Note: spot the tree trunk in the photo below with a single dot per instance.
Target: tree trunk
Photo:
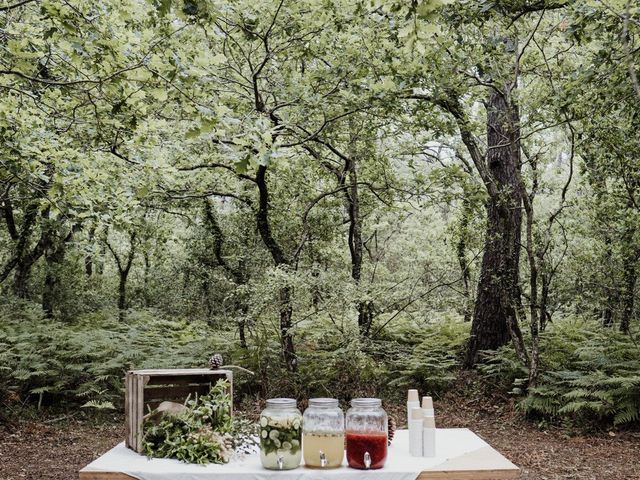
(243, 308)
(242, 333)
(280, 259)
(122, 293)
(355, 245)
(461, 253)
(495, 320)
(206, 291)
(123, 272)
(54, 258)
(286, 313)
(237, 273)
(631, 253)
(99, 262)
(24, 258)
(147, 276)
(21, 278)
(186, 282)
(628, 291)
(545, 316)
(610, 292)
(25, 262)
(88, 259)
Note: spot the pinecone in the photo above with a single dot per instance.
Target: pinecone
(216, 361)
(392, 428)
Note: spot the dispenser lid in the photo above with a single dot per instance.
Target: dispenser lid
(323, 402)
(366, 402)
(281, 403)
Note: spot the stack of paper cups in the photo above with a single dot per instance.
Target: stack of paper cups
(427, 407)
(416, 427)
(413, 401)
(429, 437)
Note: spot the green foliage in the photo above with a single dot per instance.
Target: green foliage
(340, 365)
(432, 356)
(120, 120)
(84, 363)
(203, 433)
(590, 375)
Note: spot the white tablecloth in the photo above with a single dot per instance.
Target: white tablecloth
(450, 443)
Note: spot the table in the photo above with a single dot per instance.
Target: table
(461, 455)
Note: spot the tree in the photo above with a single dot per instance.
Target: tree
(607, 101)
(124, 264)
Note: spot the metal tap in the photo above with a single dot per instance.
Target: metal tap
(367, 460)
(280, 462)
(323, 459)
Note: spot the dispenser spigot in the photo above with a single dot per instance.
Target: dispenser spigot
(323, 459)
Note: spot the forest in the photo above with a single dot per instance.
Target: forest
(344, 197)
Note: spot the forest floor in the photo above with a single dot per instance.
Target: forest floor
(51, 450)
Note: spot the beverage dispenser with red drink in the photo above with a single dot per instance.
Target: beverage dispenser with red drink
(366, 434)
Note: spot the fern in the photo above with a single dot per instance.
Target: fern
(98, 405)
(592, 379)
(85, 362)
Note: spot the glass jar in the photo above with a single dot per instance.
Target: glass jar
(323, 434)
(367, 434)
(280, 434)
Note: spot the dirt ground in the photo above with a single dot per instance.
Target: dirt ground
(56, 450)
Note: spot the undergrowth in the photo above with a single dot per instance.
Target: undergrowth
(48, 362)
(590, 376)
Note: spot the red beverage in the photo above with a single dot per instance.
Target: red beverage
(358, 443)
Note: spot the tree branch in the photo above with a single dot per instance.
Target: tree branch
(15, 5)
(305, 215)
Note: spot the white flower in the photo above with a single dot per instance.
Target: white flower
(264, 434)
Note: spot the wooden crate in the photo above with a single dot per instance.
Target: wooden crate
(146, 389)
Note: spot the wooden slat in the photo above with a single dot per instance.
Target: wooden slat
(489, 475)
(184, 379)
(127, 409)
(95, 475)
(142, 381)
(469, 475)
(132, 395)
(179, 371)
(482, 464)
(173, 392)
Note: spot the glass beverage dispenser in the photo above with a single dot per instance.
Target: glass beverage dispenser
(280, 434)
(323, 434)
(367, 434)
